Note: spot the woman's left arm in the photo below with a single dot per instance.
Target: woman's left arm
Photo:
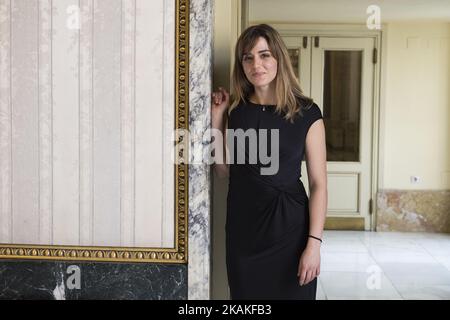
(316, 164)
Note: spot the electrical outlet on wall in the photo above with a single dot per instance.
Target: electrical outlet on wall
(415, 179)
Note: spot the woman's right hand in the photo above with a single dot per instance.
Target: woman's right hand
(219, 104)
(220, 101)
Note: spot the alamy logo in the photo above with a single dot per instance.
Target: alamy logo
(374, 19)
(258, 148)
(374, 280)
(250, 145)
(74, 280)
(73, 20)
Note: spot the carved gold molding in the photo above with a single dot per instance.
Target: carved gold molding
(178, 254)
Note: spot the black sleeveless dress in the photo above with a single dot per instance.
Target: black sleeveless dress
(267, 222)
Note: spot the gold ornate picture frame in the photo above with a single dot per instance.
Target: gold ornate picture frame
(179, 253)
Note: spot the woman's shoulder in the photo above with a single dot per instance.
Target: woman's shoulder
(311, 114)
(311, 110)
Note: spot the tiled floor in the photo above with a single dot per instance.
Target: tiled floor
(384, 265)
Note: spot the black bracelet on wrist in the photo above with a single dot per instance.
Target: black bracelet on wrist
(315, 238)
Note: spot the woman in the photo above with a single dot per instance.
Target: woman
(273, 231)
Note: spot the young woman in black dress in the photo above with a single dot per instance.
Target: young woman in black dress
(273, 231)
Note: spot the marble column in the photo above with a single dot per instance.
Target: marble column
(200, 81)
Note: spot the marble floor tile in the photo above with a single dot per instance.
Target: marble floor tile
(438, 236)
(443, 260)
(403, 246)
(410, 265)
(438, 292)
(392, 236)
(357, 285)
(346, 261)
(386, 254)
(394, 241)
(336, 244)
(320, 295)
(435, 246)
(341, 234)
(416, 274)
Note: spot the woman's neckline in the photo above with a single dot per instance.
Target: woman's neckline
(260, 105)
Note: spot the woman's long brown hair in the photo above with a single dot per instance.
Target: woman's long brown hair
(289, 96)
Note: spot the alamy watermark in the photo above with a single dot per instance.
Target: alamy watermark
(374, 280)
(74, 280)
(244, 147)
(73, 19)
(374, 20)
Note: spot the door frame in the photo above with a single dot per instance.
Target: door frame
(345, 30)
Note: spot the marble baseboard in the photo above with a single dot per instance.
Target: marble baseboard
(38, 280)
(413, 210)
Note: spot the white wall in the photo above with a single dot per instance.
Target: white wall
(415, 124)
(346, 11)
(225, 36)
(83, 113)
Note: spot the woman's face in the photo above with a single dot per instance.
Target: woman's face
(260, 67)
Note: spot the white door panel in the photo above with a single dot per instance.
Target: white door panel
(338, 74)
(338, 205)
(300, 54)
